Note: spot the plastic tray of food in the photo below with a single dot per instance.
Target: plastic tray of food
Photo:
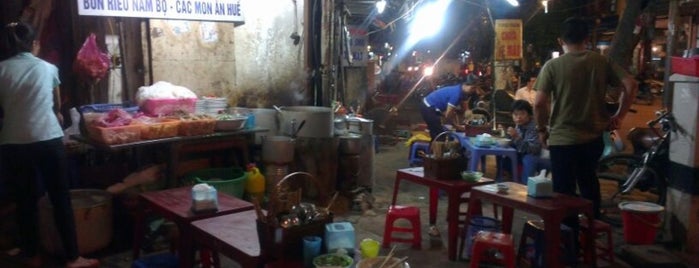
(194, 125)
(115, 135)
(159, 128)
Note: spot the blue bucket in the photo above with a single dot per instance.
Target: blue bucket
(475, 225)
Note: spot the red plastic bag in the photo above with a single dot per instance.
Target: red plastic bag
(91, 64)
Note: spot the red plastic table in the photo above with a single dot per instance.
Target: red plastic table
(233, 235)
(552, 210)
(174, 204)
(454, 189)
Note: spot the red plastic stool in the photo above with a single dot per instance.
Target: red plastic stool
(412, 214)
(604, 252)
(490, 240)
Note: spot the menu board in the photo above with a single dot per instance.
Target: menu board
(508, 39)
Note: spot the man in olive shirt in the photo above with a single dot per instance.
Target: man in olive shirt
(570, 111)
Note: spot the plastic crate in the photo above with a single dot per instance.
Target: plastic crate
(160, 107)
(685, 66)
(226, 180)
(106, 107)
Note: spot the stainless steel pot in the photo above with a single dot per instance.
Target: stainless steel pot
(351, 144)
(360, 125)
(265, 118)
(278, 149)
(319, 121)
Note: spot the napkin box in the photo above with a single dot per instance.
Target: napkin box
(539, 187)
(339, 236)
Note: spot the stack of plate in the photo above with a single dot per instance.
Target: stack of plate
(200, 106)
(214, 106)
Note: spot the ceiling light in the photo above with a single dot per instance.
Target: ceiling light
(380, 6)
(546, 6)
(514, 3)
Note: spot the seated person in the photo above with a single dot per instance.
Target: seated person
(526, 140)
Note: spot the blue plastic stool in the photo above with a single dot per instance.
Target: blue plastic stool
(416, 146)
(534, 253)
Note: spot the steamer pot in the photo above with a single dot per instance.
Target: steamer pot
(278, 149)
(319, 121)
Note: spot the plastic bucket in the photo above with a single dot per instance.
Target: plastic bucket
(641, 221)
(475, 225)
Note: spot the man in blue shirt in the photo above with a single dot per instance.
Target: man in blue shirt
(443, 103)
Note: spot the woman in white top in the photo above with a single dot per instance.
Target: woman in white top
(31, 143)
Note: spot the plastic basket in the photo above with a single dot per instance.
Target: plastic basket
(226, 180)
(106, 107)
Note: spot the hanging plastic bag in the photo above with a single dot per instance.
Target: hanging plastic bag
(91, 64)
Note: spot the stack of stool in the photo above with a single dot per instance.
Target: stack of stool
(604, 252)
(412, 214)
(486, 241)
(534, 229)
(414, 159)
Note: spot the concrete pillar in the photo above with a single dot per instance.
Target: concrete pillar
(683, 193)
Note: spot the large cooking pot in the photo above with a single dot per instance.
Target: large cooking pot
(265, 118)
(318, 121)
(277, 149)
(351, 144)
(92, 211)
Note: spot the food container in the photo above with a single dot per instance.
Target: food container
(234, 122)
(333, 261)
(115, 135)
(471, 176)
(161, 107)
(195, 127)
(159, 128)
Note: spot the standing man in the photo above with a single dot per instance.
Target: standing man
(444, 102)
(570, 111)
(527, 92)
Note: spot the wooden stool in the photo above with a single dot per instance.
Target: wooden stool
(412, 214)
(604, 252)
(490, 240)
(534, 229)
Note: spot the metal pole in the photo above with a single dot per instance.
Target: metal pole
(670, 49)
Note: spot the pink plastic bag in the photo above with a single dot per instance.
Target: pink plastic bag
(91, 64)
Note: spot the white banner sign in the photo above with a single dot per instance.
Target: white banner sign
(209, 10)
(358, 45)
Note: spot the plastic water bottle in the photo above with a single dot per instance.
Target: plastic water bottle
(255, 185)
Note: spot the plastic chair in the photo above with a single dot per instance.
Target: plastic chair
(486, 241)
(534, 254)
(412, 214)
(414, 159)
(604, 252)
